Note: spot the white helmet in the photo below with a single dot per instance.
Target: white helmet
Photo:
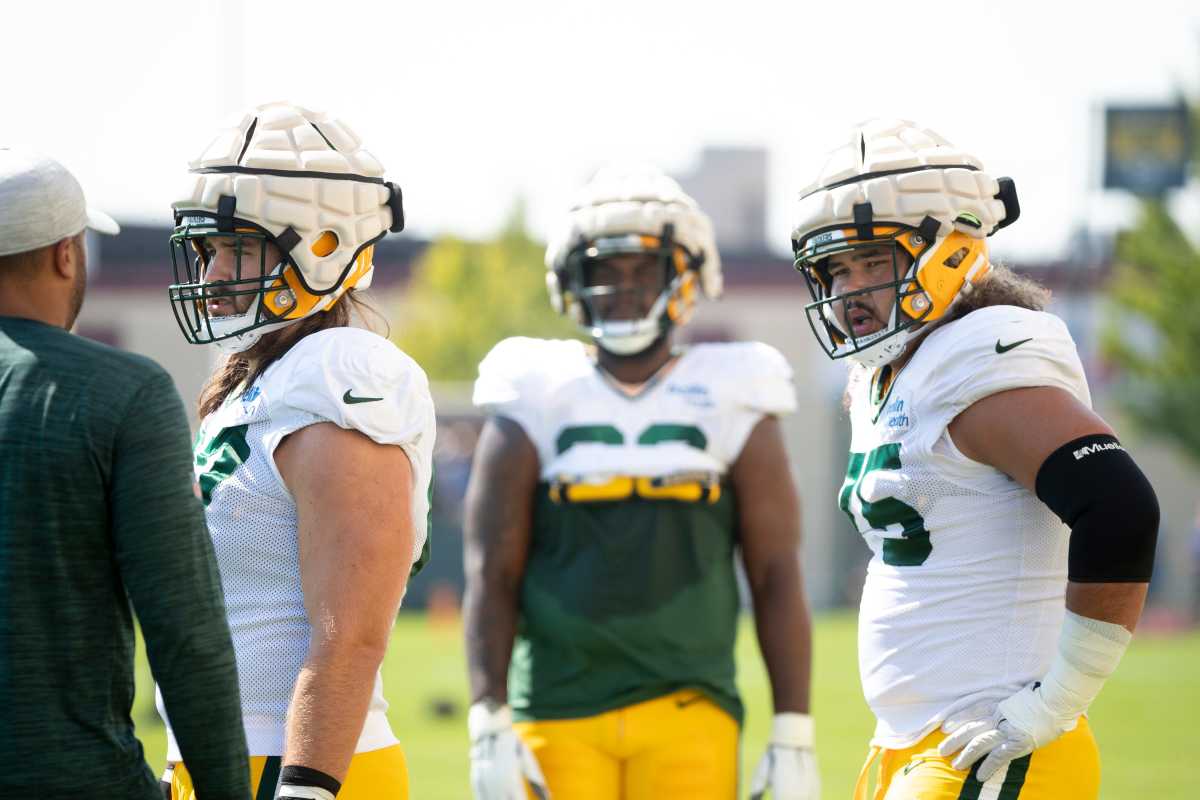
(628, 210)
(297, 179)
(901, 187)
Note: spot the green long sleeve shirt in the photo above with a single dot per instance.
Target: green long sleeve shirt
(98, 514)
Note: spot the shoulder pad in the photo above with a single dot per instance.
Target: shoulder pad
(757, 375)
(996, 349)
(521, 370)
(359, 381)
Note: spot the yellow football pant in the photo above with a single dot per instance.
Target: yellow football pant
(678, 747)
(375, 775)
(1066, 769)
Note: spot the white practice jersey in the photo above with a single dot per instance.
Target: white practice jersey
(359, 381)
(964, 593)
(693, 419)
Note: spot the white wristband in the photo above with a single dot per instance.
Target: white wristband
(790, 729)
(293, 792)
(485, 718)
(1088, 652)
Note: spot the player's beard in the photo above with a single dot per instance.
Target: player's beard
(79, 287)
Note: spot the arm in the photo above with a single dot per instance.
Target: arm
(769, 527)
(1015, 432)
(496, 531)
(167, 565)
(1053, 445)
(354, 505)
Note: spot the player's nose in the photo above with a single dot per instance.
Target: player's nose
(222, 266)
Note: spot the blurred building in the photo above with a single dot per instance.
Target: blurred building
(730, 183)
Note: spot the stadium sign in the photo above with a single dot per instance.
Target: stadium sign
(1146, 148)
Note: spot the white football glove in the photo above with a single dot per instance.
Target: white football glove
(789, 767)
(1088, 652)
(500, 762)
(1014, 728)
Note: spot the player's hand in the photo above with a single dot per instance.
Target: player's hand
(500, 762)
(789, 767)
(1014, 728)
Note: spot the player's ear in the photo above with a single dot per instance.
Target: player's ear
(68, 256)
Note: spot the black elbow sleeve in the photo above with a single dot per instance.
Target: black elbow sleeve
(1093, 486)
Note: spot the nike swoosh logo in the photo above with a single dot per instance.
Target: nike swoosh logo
(351, 399)
(910, 767)
(1004, 348)
(685, 702)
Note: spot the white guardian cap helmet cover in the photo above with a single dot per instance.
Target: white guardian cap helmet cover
(629, 210)
(294, 178)
(895, 185)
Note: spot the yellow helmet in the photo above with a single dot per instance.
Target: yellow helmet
(903, 188)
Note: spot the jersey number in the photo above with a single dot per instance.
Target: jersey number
(220, 456)
(887, 514)
(607, 434)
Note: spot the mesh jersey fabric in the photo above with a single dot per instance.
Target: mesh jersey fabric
(964, 593)
(252, 516)
(613, 589)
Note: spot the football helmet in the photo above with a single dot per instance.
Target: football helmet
(298, 180)
(632, 210)
(896, 186)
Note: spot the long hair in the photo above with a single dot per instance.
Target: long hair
(243, 369)
(1002, 287)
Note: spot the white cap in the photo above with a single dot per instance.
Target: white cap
(41, 203)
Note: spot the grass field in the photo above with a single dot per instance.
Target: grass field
(1145, 720)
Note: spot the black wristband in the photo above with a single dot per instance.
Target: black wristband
(296, 775)
(1094, 486)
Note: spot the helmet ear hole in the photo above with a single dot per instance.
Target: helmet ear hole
(325, 244)
(956, 258)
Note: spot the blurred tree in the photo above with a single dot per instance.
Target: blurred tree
(1154, 332)
(465, 296)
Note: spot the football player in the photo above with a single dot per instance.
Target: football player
(314, 452)
(1011, 534)
(613, 485)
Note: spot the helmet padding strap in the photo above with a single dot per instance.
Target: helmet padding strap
(864, 217)
(287, 240)
(226, 206)
(929, 228)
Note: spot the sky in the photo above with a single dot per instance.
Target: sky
(473, 105)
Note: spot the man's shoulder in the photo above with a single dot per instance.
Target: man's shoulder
(81, 357)
(739, 376)
(994, 349)
(526, 371)
(995, 328)
(525, 354)
(347, 350)
(740, 357)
